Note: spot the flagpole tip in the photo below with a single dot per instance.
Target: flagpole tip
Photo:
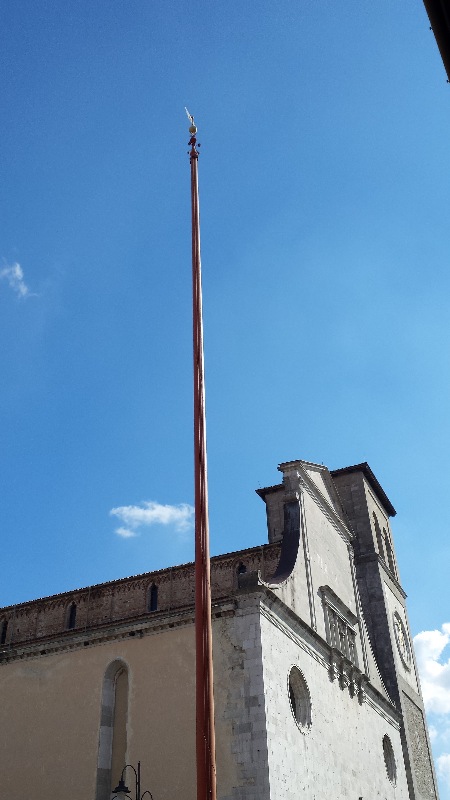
(192, 127)
(193, 152)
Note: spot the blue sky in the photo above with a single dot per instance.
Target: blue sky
(325, 246)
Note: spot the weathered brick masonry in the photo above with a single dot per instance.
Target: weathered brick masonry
(124, 600)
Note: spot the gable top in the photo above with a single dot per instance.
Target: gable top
(363, 467)
(371, 480)
(315, 478)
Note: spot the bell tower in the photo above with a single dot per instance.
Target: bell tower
(383, 601)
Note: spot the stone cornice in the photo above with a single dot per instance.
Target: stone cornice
(112, 632)
(123, 601)
(61, 599)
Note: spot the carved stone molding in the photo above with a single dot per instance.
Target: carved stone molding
(347, 675)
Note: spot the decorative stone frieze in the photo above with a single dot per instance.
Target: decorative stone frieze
(126, 599)
(347, 675)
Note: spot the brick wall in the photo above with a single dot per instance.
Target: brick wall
(127, 598)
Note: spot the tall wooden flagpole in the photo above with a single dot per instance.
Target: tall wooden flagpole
(205, 737)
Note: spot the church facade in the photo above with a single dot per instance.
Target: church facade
(316, 688)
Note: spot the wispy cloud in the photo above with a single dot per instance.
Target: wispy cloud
(151, 513)
(443, 767)
(434, 733)
(125, 533)
(13, 275)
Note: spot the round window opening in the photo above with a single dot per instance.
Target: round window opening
(389, 759)
(401, 637)
(299, 699)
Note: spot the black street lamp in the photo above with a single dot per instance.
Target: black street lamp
(123, 792)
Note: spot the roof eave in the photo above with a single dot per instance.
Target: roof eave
(439, 17)
(372, 481)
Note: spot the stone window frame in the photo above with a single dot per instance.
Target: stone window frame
(402, 640)
(4, 625)
(389, 552)
(152, 597)
(379, 537)
(389, 759)
(384, 544)
(240, 567)
(340, 625)
(71, 616)
(299, 698)
(106, 729)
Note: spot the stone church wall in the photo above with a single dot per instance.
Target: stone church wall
(340, 754)
(301, 709)
(50, 718)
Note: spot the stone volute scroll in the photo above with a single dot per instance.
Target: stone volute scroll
(290, 542)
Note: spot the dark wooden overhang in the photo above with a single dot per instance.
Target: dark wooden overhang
(439, 15)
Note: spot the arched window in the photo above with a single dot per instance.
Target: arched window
(239, 569)
(71, 617)
(152, 598)
(379, 537)
(112, 744)
(3, 631)
(389, 553)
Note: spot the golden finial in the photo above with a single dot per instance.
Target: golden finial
(192, 127)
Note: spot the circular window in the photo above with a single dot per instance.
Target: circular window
(389, 759)
(401, 638)
(299, 699)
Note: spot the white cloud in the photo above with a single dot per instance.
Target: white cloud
(444, 731)
(443, 767)
(152, 513)
(125, 533)
(433, 662)
(434, 671)
(13, 274)
(434, 733)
